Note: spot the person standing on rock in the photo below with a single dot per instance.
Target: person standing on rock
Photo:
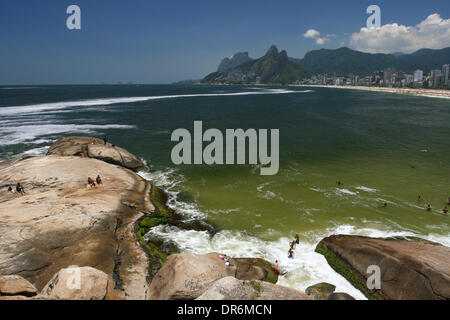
(105, 139)
(99, 180)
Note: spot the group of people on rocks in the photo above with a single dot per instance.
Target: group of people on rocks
(91, 181)
(19, 189)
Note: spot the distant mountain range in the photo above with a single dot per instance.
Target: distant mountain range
(273, 67)
(277, 67)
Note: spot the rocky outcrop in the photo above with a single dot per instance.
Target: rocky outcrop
(95, 148)
(13, 285)
(60, 221)
(77, 283)
(186, 276)
(230, 288)
(320, 291)
(409, 269)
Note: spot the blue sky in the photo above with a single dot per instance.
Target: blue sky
(147, 41)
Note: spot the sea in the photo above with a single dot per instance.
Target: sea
(382, 147)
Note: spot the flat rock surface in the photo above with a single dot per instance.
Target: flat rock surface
(60, 221)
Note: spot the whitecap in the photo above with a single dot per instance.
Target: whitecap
(27, 109)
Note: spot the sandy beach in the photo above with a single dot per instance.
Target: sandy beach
(432, 93)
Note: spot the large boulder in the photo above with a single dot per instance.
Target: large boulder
(230, 288)
(409, 268)
(320, 291)
(77, 283)
(186, 276)
(95, 148)
(14, 285)
(60, 221)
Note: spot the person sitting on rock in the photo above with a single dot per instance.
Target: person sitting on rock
(91, 182)
(98, 179)
(19, 188)
(10, 189)
(275, 267)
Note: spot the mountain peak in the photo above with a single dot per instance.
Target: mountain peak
(234, 61)
(272, 52)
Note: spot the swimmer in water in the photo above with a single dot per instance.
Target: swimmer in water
(383, 206)
(419, 198)
(445, 210)
(429, 207)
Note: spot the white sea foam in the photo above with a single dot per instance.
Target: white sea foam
(366, 189)
(27, 109)
(35, 152)
(346, 191)
(169, 180)
(28, 133)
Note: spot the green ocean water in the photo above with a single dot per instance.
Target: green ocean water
(369, 141)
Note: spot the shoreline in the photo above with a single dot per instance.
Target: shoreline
(420, 92)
